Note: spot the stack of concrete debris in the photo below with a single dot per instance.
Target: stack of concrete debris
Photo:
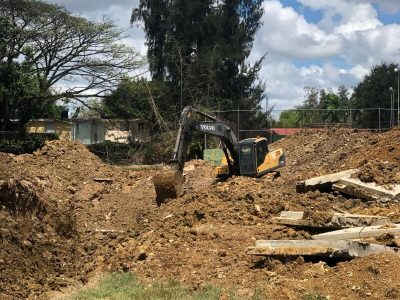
(353, 239)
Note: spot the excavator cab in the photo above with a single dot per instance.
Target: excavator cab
(255, 159)
(248, 157)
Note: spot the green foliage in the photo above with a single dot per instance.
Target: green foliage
(131, 100)
(159, 150)
(18, 143)
(118, 286)
(42, 45)
(319, 108)
(337, 106)
(113, 152)
(373, 92)
(196, 147)
(314, 296)
(126, 286)
(200, 49)
(289, 118)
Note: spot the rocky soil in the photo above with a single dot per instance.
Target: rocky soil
(66, 216)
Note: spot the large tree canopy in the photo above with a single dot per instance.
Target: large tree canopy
(56, 49)
(200, 48)
(374, 92)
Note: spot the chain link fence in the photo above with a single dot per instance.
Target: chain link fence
(251, 123)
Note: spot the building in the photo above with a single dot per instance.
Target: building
(86, 131)
(89, 131)
(64, 129)
(127, 131)
(92, 131)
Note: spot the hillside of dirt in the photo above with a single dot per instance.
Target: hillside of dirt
(65, 216)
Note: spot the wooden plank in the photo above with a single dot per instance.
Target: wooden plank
(344, 220)
(325, 248)
(366, 190)
(322, 183)
(359, 232)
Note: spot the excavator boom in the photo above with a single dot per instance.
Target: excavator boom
(169, 184)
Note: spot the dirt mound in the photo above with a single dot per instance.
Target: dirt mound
(381, 172)
(53, 204)
(66, 215)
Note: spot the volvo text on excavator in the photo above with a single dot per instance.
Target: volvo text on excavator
(250, 157)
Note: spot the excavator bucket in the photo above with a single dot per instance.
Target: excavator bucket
(168, 185)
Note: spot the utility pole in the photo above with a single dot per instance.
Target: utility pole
(398, 95)
(391, 107)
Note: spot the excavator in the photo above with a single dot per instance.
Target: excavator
(250, 157)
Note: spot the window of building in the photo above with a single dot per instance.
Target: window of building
(50, 127)
(140, 127)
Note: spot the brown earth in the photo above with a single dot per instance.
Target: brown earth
(66, 216)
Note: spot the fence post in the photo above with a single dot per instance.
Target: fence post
(379, 119)
(350, 117)
(205, 137)
(238, 123)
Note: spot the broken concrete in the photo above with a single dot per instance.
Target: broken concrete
(326, 248)
(340, 220)
(322, 183)
(359, 232)
(293, 218)
(292, 214)
(369, 191)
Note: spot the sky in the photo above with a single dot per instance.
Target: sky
(310, 43)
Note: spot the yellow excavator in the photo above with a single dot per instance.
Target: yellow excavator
(250, 157)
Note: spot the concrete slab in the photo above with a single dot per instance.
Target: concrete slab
(292, 214)
(369, 191)
(359, 232)
(340, 220)
(324, 248)
(322, 183)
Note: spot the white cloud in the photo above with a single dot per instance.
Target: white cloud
(339, 50)
(81, 6)
(386, 6)
(287, 33)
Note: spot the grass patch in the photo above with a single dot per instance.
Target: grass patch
(123, 286)
(313, 296)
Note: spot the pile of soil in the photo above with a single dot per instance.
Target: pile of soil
(66, 216)
(381, 172)
(59, 206)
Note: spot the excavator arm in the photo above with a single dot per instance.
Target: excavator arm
(169, 184)
(213, 127)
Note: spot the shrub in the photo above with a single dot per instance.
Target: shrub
(19, 143)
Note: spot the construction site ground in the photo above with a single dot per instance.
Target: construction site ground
(67, 217)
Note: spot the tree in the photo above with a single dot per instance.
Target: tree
(309, 115)
(289, 118)
(131, 100)
(336, 105)
(200, 49)
(57, 48)
(373, 92)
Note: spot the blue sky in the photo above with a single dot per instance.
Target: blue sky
(310, 43)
